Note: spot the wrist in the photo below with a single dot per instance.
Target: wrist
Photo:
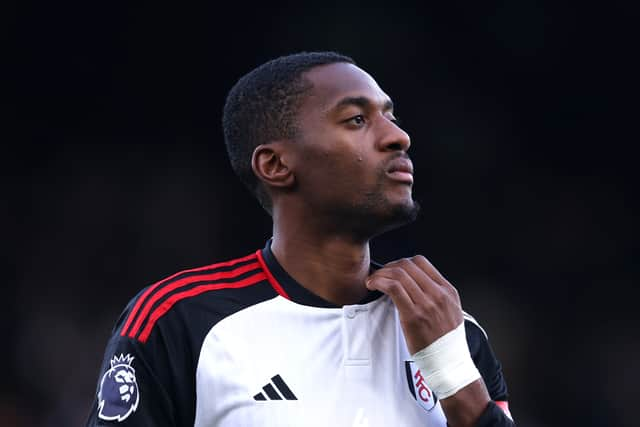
(446, 363)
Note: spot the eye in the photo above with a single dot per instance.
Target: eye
(395, 120)
(358, 120)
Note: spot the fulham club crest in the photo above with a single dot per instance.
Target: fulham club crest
(119, 395)
(418, 388)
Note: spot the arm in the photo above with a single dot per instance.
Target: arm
(468, 407)
(129, 390)
(143, 383)
(465, 406)
(432, 321)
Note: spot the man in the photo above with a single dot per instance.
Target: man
(307, 331)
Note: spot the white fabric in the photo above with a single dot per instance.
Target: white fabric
(358, 352)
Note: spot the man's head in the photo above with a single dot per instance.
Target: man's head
(317, 134)
(263, 106)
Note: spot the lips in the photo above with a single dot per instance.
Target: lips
(401, 169)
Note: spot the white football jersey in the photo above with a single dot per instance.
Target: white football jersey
(241, 343)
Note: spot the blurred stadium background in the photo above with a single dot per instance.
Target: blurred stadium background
(523, 117)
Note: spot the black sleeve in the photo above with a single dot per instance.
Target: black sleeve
(146, 384)
(491, 371)
(493, 416)
(485, 360)
(130, 392)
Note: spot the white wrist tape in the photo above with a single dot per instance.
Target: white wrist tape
(446, 363)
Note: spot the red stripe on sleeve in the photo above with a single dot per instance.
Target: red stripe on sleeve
(272, 280)
(144, 296)
(169, 302)
(184, 282)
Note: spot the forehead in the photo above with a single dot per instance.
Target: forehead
(334, 82)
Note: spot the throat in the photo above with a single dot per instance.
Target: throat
(341, 294)
(335, 271)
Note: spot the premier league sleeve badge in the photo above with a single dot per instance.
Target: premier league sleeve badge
(119, 395)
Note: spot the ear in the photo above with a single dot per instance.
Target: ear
(272, 166)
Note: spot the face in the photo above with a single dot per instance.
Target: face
(352, 156)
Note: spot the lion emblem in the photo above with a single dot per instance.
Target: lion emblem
(118, 396)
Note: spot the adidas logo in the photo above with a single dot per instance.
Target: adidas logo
(276, 390)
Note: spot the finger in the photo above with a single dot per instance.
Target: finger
(410, 286)
(437, 277)
(394, 289)
(422, 279)
(429, 269)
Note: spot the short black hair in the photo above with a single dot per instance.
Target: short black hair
(263, 107)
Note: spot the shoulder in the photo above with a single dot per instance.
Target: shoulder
(194, 299)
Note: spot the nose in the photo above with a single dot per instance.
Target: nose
(393, 138)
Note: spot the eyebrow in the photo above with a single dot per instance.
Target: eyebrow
(362, 102)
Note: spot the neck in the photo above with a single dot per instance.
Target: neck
(333, 266)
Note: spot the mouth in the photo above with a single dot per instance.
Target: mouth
(401, 170)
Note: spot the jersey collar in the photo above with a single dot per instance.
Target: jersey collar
(289, 288)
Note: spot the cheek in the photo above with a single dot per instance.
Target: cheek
(333, 177)
(342, 166)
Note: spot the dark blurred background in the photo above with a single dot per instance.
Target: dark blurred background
(523, 117)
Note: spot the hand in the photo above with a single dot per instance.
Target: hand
(428, 305)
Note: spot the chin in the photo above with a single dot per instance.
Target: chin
(397, 206)
(385, 215)
(404, 213)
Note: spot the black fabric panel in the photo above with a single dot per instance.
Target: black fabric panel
(119, 324)
(486, 361)
(155, 406)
